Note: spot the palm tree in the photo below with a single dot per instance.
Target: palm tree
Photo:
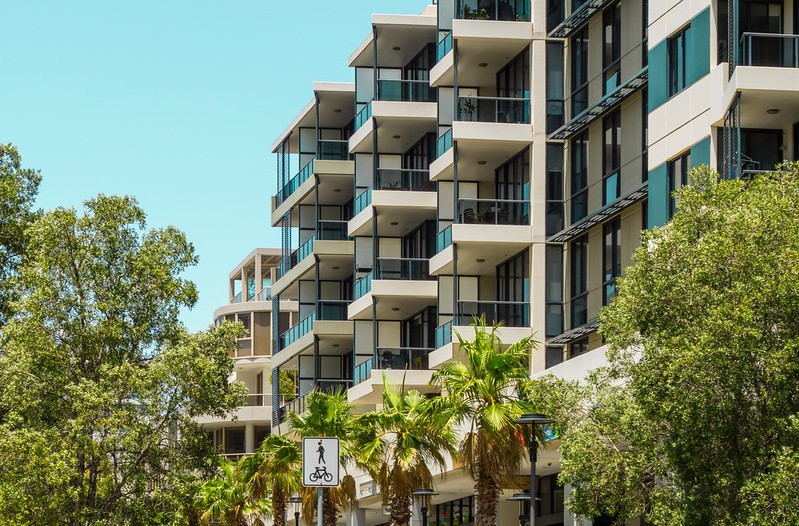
(225, 498)
(485, 394)
(330, 414)
(279, 473)
(411, 438)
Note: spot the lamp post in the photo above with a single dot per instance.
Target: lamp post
(297, 501)
(522, 499)
(533, 420)
(424, 493)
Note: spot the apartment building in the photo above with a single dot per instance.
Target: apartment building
(250, 303)
(476, 167)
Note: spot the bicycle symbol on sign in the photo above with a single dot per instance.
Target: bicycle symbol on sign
(321, 474)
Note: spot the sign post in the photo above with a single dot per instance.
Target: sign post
(320, 467)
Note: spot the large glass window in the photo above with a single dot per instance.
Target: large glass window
(611, 48)
(579, 281)
(579, 52)
(555, 87)
(554, 290)
(677, 55)
(554, 188)
(579, 177)
(611, 257)
(678, 177)
(611, 155)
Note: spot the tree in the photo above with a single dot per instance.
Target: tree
(486, 393)
(279, 473)
(411, 439)
(703, 335)
(18, 189)
(331, 415)
(226, 498)
(99, 381)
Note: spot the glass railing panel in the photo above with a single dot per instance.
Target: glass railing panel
(331, 230)
(505, 10)
(412, 358)
(259, 400)
(494, 109)
(335, 385)
(403, 269)
(444, 143)
(362, 200)
(297, 331)
(510, 313)
(363, 285)
(362, 371)
(294, 406)
(265, 294)
(444, 46)
(404, 179)
(236, 298)
(769, 49)
(333, 310)
(334, 150)
(405, 90)
(363, 115)
(444, 239)
(443, 334)
(295, 182)
(304, 250)
(493, 212)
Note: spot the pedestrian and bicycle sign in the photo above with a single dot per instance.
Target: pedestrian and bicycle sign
(320, 462)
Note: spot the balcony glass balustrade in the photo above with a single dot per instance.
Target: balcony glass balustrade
(404, 179)
(334, 150)
(403, 269)
(769, 49)
(493, 212)
(405, 91)
(331, 230)
(507, 110)
(444, 239)
(444, 143)
(265, 294)
(332, 310)
(363, 285)
(505, 10)
(363, 115)
(297, 331)
(400, 358)
(443, 334)
(295, 182)
(510, 313)
(444, 46)
(236, 298)
(363, 200)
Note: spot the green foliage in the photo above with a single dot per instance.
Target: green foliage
(99, 382)
(18, 189)
(486, 393)
(279, 473)
(226, 499)
(701, 397)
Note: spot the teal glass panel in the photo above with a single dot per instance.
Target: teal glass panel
(700, 153)
(658, 202)
(698, 48)
(658, 75)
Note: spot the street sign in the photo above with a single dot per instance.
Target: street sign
(320, 462)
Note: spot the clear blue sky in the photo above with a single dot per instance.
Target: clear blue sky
(176, 102)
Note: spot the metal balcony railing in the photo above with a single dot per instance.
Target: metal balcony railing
(404, 179)
(362, 200)
(444, 46)
(769, 49)
(506, 10)
(443, 143)
(402, 358)
(297, 331)
(405, 90)
(363, 285)
(403, 269)
(265, 294)
(444, 239)
(494, 109)
(363, 115)
(259, 400)
(443, 334)
(236, 298)
(295, 182)
(493, 212)
(334, 150)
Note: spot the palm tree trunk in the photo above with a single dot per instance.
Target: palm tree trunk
(279, 508)
(487, 491)
(400, 510)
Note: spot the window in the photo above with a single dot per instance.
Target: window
(554, 290)
(644, 136)
(677, 59)
(611, 258)
(578, 347)
(611, 48)
(513, 291)
(579, 177)
(554, 356)
(555, 88)
(579, 51)
(554, 189)
(611, 155)
(579, 282)
(678, 177)
(555, 13)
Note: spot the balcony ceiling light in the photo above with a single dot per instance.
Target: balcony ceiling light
(481, 163)
(337, 110)
(394, 223)
(336, 190)
(773, 111)
(396, 136)
(335, 268)
(395, 309)
(480, 260)
(396, 48)
(483, 64)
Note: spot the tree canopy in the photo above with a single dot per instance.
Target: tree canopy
(695, 422)
(99, 381)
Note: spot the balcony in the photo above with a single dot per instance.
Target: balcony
(444, 46)
(501, 10)
(493, 212)
(332, 310)
(508, 110)
(257, 408)
(331, 230)
(510, 313)
(295, 182)
(401, 359)
(769, 50)
(444, 143)
(403, 286)
(403, 269)
(363, 115)
(404, 179)
(405, 91)
(333, 150)
(297, 331)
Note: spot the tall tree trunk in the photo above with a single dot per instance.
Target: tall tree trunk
(487, 491)
(400, 510)
(279, 508)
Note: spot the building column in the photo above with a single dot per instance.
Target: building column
(249, 438)
(259, 279)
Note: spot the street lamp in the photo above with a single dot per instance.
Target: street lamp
(522, 499)
(533, 420)
(424, 493)
(297, 501)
